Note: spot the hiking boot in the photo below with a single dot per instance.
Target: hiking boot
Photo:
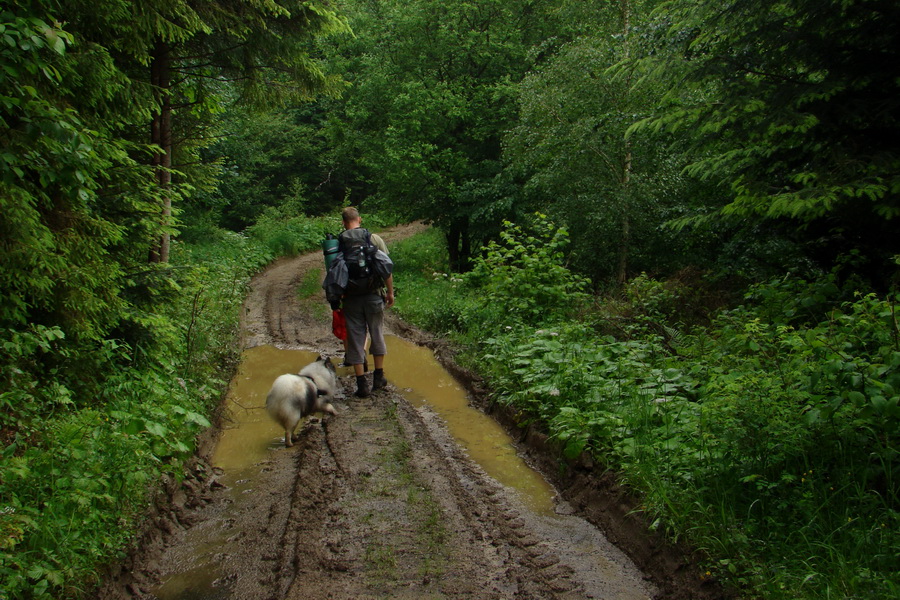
(378, 380)
(362, 387)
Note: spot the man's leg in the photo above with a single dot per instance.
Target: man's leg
(365, 363)
(375, 323)
(378, 379)
(355, 313)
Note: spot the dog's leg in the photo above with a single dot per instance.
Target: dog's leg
(289, 436)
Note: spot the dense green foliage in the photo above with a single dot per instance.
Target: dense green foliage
(429, 101)
(81, 178)
(744, 153)
(109, 365)
(802, 103)
(75, 484)
(767, 438)
(789, 107)
(766, 126)
(66, 269)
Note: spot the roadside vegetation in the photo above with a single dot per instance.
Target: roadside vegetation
(92, 426)
(666, 230)
(763, 432)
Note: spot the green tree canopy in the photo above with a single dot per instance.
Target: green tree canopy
(189, 59)
(793, 104)
(429, 81)
(569, 146)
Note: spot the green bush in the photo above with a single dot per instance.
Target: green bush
(773, 448)
(766, 438)
(72, 494)
(25, 399)
(525, 275)
(286, 235)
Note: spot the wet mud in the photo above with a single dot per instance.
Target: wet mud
(384, 500)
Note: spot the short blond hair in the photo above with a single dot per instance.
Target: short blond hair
(349, 214)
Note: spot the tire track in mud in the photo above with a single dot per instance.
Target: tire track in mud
(518, 563)
(315, 491)
(394, 553)
(376, 502)
(482, 548)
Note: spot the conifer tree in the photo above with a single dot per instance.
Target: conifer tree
(794, 105)
(190, 58)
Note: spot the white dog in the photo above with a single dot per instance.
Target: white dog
(323, 375)
(293, 397)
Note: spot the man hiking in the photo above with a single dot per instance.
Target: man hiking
(361, 281)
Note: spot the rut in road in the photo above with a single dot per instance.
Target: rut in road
(376, 502)
(434, 524)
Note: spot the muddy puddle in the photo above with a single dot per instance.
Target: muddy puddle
(251, 434)
(416, 374)
(423, 382)
(246, 442)
(243, 444)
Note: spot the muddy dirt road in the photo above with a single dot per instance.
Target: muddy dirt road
(380, 502)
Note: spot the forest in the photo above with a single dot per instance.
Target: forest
(665, 230)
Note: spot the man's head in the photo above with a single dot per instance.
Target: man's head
(351, 218)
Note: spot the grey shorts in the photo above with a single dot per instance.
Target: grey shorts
(364, 314)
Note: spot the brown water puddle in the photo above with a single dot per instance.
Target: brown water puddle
(251, 433)
(415, 371)
(420, 379)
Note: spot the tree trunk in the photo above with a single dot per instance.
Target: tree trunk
(465, 246)
(161, 136)
(625, 225)
(459, 246)
(452, 236)
(625, 232)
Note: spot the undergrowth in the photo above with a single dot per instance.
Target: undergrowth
(81, 457)
(765, 435)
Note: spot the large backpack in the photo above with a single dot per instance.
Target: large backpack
(359, 256)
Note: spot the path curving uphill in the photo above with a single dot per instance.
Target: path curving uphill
(376, 502)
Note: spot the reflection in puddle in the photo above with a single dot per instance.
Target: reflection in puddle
(417, 374)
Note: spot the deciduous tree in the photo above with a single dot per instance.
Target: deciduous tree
(570, 144)
(430, 92)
